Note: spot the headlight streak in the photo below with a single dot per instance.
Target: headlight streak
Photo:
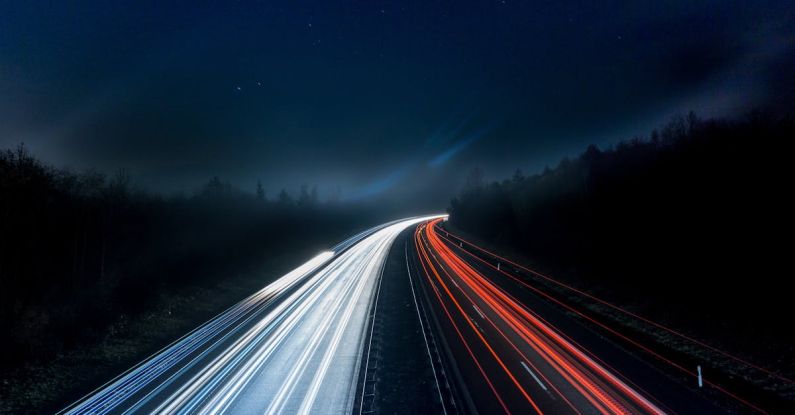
(373, 267)
(321, 326)
(273, 328)
(311, 346)
(296, 342)
(106, 398)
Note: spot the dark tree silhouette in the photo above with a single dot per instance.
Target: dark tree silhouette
(260, 191)
(285, 198)
(686, 217)
(79, 250)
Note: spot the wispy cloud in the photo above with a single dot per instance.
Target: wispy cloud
(381, 184)
(459, 146)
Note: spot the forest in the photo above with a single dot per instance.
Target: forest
(80, 249)
(688, 225)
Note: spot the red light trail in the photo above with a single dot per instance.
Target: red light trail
(577, 380)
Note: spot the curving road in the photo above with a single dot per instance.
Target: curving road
(293, 347)
(524, 356)
(302, 345)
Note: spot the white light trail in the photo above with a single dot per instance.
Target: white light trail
(293, 344)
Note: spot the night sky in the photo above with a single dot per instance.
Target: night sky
(379, 98)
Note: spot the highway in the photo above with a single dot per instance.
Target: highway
(526, 356)
(293, 347)
(302, 345)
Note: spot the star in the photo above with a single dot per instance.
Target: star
(238, 88)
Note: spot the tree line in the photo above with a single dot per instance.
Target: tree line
(77, 250)
(687, 222)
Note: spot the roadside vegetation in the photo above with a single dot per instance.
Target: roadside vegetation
(687, 226)
(96, 273)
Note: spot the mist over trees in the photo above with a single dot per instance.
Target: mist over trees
(80, 249)
(691, 217)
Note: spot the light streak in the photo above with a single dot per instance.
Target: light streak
(605, 391)
(620, 309)
(291, 345)
(612, 331)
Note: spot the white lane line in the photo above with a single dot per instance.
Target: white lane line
(478, 310)
(534, 376)
(422, 329)
(477, 326)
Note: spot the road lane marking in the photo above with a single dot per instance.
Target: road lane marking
(476, 324)
(534, 376)
(422, 329)
(478, 310)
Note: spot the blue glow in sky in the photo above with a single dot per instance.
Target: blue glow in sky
(339, 93)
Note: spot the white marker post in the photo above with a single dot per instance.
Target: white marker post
(700, 380)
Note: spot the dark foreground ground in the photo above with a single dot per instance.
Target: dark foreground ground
(49, 385)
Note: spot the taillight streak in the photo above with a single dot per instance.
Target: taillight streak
(600, 387)
(602, 325)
